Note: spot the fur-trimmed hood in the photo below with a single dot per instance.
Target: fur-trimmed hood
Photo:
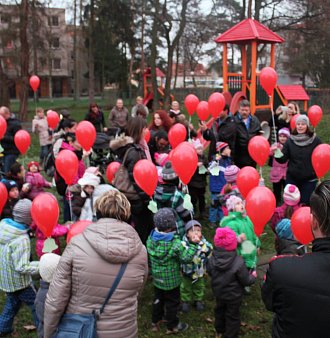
(120, 142)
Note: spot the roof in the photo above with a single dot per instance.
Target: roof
(293, 92)
(159, 73)
(249, 30)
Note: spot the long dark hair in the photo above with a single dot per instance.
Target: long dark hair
(135, 127)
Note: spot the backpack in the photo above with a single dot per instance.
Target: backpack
(49, 161)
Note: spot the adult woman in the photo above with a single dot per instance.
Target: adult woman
(160, 120)
(130, 149)
(298, 151)
(88, 268)
(96, 117)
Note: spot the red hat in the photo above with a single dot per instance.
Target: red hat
(30, 164)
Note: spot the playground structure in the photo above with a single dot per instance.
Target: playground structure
(248, 34)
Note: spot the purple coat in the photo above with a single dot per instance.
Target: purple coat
(278, 171)
(37, 183)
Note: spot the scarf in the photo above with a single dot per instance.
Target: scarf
(302, 140)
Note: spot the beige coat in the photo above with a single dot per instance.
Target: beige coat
(86, 272)
(40, 126)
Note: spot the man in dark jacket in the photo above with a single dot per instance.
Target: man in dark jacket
(247, 126)
(296, 288)
(10, 151)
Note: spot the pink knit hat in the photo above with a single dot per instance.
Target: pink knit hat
(231, 173)
(225, 238)
(291, 195)
(232, 201)
(161, 159)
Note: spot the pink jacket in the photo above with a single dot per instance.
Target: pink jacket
(279, 214)
(37, 183)
(81, 165)
(278, 170)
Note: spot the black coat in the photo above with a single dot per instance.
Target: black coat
(199, 180)
(97, 120)
(229, 274)
(242, 157)
(297, 290)
(7, 142)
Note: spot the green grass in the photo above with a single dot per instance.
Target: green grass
(255, 318)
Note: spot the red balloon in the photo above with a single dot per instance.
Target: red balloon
(321, 159)
(22, 141)
(66, 164)
(184, 161)
(247, 179)
(293, 121)
(34, 82)
(177, 134)
(76, 229)
(147, 135)
(45, 212)
(259, 149)
(301, 225)
(146, 176)
(111, 171)
(191, 102)
(260, 206)
(86, 134)
(268, 79)
(315, 115)
(3, 127)
(52, 118)
(3, 196)
(203, 111)
(216, 104)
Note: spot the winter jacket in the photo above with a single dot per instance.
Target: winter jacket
(118, 118)
(166, 253)
(40, 126)
(97, 120)
(199, 180)
(242, 224)
(242, 157)
(300, 167)
(278, 170)
(7, 210)
(7, 142)
(37, 184)
(289, 247)
(296, 289)
(221, 131)
(169, 196)
(39, 304)
(15, 250)
(229, 275)
(218, 182)
(87, 270)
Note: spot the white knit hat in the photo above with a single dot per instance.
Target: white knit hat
(232, 201)
(291, 195)
(47, 266)
(89, 179)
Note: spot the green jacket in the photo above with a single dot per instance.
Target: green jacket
(240, 224)
(166, 253)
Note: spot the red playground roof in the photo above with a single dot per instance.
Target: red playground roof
(249, 30)
(293, 92)
(159, 73)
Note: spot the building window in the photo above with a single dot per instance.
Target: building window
(55, 43)
(53, 20)
(56, 63)
(5, 18)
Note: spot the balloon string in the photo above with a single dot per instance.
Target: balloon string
(273, 118)
(260, 172)
(189, 128)
(70, 203)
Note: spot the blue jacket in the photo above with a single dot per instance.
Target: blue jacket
(217, 182)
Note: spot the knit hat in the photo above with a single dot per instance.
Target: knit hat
(164, 219)
(221, 146)
(47, 266)
(22, 211)
(283, 229)
(225, 238)
(65, 113)
(9, 184)
(191, 224)
(93, 170)
(161, 159)
(89, 179)
(291, 195)
(231, 173)
(302, 118)
(30, 164)
(197, 143)
(232, 201)
(168, 173)
(285, 132)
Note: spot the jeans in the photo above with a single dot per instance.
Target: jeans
(215, 210)
(13, 303)
(8, 161)
(43, 152)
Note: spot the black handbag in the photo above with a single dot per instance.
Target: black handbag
(84, 325)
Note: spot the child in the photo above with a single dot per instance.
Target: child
(13, 197)
(229, 276)
(197, 183)
(278, 171)
(47, 267)
(15, 266)
(36, 181)
(166, 253)
(193, 281)
(220, 161)
(40, 126)
(240, 223)
(168, 195)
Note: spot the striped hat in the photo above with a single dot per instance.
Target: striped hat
(291, 195)
(168, 173)
(285, 132)
(220, 146)
(231, 173)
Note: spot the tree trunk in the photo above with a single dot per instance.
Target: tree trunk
(91, 77)
(250, 9)
(142, 66)
(4, 94)
(76, 90)
(177, 56)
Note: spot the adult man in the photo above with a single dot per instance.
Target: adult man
(118, 116)
(222, 130)
(247, 126)
(10, 150)
(138, 105)
(296, 288)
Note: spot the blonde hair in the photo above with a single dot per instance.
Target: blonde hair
(113, 204)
